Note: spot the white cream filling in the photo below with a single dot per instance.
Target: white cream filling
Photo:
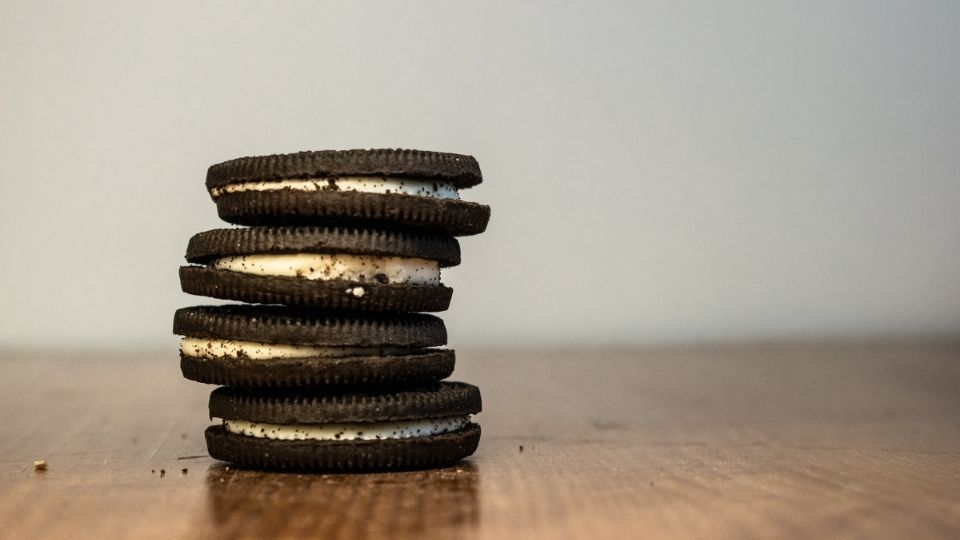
(325, 266)
(361, 184)
(227, 348)
(364, 431)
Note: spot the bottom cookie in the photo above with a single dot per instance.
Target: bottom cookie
(343, 455)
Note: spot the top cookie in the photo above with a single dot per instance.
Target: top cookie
(405, 188)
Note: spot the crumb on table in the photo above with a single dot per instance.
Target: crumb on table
(40, 465)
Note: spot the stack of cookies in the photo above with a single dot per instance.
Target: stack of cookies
(332, 362)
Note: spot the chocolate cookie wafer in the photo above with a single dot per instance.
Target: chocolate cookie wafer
(386, 188)
(275, 346)
(323, 267)
(357, 430)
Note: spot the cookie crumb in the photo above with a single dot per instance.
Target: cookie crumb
(521, 448)
(153, 471)
(163, 473)
(40, 465)
(183, 471)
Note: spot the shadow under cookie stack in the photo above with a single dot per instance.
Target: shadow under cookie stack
(331, 363)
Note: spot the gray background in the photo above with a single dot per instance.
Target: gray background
(657, 171)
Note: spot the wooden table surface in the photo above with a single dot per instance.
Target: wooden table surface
(789, 441)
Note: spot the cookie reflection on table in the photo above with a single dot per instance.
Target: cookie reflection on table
(256, 503)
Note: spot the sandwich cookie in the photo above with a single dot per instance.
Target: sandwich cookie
(275, 346)
(323, 267)
(408, 188)
(357, 430)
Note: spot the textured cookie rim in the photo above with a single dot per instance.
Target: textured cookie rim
(459, 169)
(280, 324)
(434, 400)
(299, 292)
(289, 207)
(315, 372)
(208, 245)
(343, 456)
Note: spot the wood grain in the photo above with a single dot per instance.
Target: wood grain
(794, 441)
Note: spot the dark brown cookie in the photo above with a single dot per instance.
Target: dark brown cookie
(277, 324)
(216, 243)
(349, 295)
(345, 431)
(399, 343)
(343, 456)
(364, 286)
(288, 207)
(318, 371)
(417, 190)
(459, 169)
(348, 405)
